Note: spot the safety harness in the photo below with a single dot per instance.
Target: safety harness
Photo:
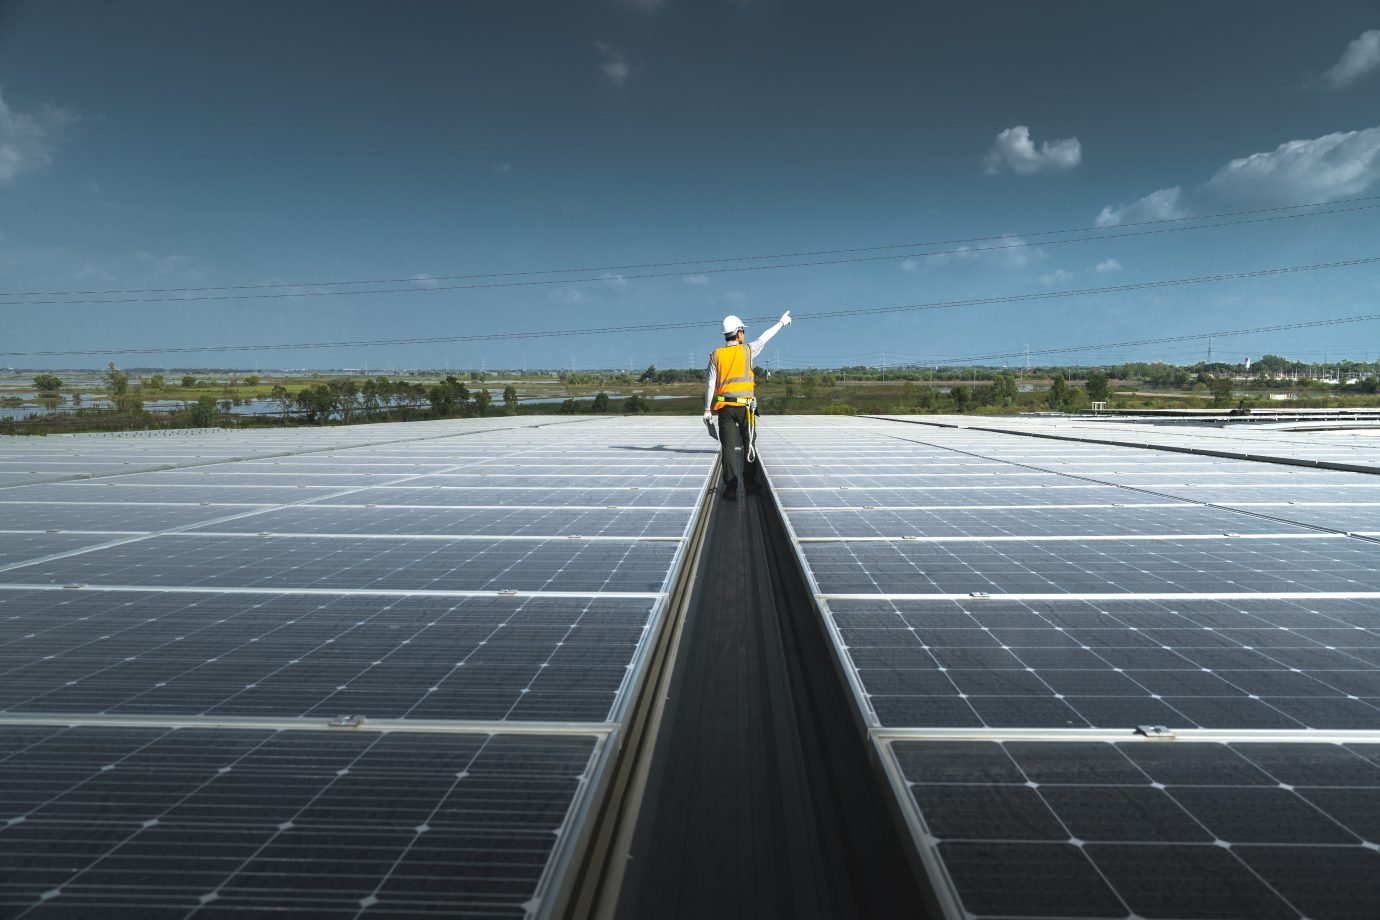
(737, 390)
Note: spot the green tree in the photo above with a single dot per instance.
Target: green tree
(635, 404)
(1058, 391)
(567, 407)
(283, 398)
(601, 402)
(155, 382)
(203, 413)
(122, 396)
(510, 399)
(961, 397)
(188, 380)
(482, 402)
(1002, 390)
(47, 383)
(251, 380)
(344, 398)
(1096, 385)
(1221, 388)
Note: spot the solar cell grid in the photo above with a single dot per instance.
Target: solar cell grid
(135, 517)
(1057, 828)
(907, 496)
(1247, 830)
(16, 548)
(1191, 663)
(307, 656)
(548, 521)
(458, 824)
(1261, 565)
(629, 496)
(1103, 520)
(422, 841)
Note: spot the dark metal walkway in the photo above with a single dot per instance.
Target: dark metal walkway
(761, 802)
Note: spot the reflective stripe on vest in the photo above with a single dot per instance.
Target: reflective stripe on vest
(733, 366)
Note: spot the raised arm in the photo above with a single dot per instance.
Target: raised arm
(765, 337)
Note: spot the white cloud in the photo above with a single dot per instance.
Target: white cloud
(1338, 165)
(696, 279)
(423, 280)
(1058, 276)
(1014, 150)
(1007, 252)
(644, 6)
(1107, 266)
(614, 63)
(909, 265)
(1360, 58)
(502, 168)
(1166, 204)
(29, 139)
(615, 281)
(1344, 164)
(569, 295)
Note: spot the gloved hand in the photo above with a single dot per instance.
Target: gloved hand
(785, 318)
(709, 423)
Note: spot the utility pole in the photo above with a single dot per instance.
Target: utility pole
(883, 365)
(1209, 360)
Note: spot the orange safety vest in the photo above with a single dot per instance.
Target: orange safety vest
(733, 366)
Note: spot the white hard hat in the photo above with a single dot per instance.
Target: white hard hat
(732, 324)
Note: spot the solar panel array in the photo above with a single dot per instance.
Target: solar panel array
(184, 623)
(1322, 441)
(1104, 681)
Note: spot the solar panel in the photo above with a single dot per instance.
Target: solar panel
(551, 520)
(1005, 646)
(157, 820)
(495, 626)
(1315, 562)
(560, 564)
(1096, 829)
(1189, 663)
(305, 656)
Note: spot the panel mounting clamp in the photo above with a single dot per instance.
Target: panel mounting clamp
(1155, 732)
(346, 722)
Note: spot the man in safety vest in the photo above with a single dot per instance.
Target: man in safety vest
(730, 396)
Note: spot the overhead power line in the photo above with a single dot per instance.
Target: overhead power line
(829, 314)
(282, 290)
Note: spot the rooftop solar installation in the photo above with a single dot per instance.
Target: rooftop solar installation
(368, 671)
(1105, 680)
(1295, 441)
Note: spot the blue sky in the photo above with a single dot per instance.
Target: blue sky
(155, 145)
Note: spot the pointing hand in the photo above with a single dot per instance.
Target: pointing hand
(786, 318)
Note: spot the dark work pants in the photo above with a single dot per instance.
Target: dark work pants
(733, 443)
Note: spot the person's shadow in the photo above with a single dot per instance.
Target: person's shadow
(663, 449)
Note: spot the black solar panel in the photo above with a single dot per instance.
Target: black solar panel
(1025, 808)
(560, 564)
(368, 609)
(523, 659)
(1150, 829)
(1189, 663)
(152, 821)
(1119, 566)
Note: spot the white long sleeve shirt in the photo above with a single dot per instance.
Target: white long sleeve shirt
(754, 348)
